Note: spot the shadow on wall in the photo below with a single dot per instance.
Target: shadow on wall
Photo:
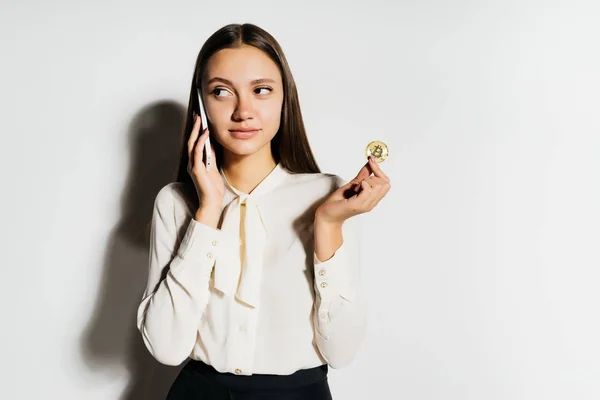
(111, 342)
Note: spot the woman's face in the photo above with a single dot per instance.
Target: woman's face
(243, 91)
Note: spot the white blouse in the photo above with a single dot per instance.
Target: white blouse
(251, 297)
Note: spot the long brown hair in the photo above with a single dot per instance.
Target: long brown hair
(290, 145)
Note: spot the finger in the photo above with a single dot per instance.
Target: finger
(345, 186)
(193, 135)
(376, 169)
(365, 190)
(376, 197)
(363, 173)
(198, 153)
(376, 181)
(373, 181)
(346, 191)
(357, 202)
(215, 168)
(371, 198)
(380, 191)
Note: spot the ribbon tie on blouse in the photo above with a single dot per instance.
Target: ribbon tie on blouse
(239, 269)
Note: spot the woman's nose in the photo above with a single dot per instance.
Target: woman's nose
(244, 109)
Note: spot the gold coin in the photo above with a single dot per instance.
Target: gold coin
(377, 149)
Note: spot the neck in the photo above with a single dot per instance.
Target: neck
(245, 172)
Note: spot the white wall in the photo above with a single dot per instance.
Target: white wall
(481, 264)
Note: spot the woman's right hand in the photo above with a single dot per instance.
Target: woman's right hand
(209, 184)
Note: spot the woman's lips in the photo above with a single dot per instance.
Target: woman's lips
(244, 134)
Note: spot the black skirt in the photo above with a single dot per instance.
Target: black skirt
(199, 381)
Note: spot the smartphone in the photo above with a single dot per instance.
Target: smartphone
(207, 150)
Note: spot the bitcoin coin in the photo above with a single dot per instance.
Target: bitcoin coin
(377, 149)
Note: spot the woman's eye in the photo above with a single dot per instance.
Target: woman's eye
(216, 91)
(222, 92)
(268, 89)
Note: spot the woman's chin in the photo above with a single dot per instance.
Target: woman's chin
(246, 148)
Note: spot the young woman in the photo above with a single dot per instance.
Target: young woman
(253, 270)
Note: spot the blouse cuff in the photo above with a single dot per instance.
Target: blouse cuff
(202, 243)
(333, 277)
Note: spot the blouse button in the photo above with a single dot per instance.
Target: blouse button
(323, 284)
(238, 371)
(214, 242)
(322, 272)
(209, 255)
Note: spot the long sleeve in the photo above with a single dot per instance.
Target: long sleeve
(177, 291)
(340, 317)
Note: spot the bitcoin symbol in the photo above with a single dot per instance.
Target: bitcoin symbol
(378, 150)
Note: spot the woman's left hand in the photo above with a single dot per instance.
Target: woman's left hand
(358, 196)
